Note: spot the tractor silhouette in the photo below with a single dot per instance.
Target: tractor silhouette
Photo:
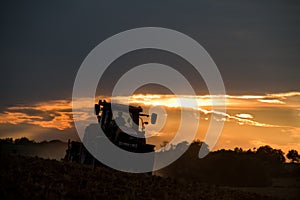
(123, 126)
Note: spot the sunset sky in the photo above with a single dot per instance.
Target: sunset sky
(255, 45)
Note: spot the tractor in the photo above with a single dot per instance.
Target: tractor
(123, 126)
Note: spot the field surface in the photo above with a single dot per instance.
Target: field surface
(24, 177)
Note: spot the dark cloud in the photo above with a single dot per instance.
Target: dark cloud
(255, 44)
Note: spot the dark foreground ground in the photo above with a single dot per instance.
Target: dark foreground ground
(35, 178)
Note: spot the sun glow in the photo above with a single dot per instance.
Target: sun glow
(249, 119)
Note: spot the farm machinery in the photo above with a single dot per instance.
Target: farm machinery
(123, 126)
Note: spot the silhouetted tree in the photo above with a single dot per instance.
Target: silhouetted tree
(269, 154)
(293, 156)
(238, 150)
(182, 145)
(223, 167)
(164, 145)
(6, 141)
(23, 140)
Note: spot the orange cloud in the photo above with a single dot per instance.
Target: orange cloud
(57, 114)
(52, 114)
(17, 118)
(61, 122)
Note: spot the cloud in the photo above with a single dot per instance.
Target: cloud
(237, 102)
(51, 114)
(57, 114)
(17, 118)
(244, 116)
(61, 121)
(242, 121)
(273, 101)
(284, 95)
(53, 105)
(253, 101)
